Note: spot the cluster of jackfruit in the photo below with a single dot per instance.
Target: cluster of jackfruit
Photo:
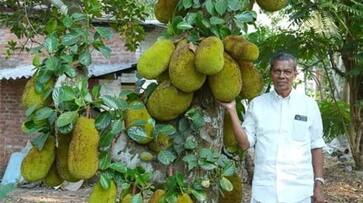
(31, 97)
(182, 70)
(272, 5)
(236, 194)
(165, 9)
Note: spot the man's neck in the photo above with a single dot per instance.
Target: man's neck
(285, 93)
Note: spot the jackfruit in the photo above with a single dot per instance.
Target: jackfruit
(184, 198)
(53, 179)
(251, 81)
(226, 84)
(240, 49)
(236, 194)
(272, 5)
(83, 149)
(99, 194)
(182, 72)
(229, 139)
(157, 196)
(164, 10)
(230, 41)
(36, 164)
(134, 115)
(160, 142)
(209, 56)
(31, 98)
(127, 199)
(167, 102)
(155, 59)
(62, 158)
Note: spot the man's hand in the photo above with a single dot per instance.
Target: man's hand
(230, 106)
(318, 196)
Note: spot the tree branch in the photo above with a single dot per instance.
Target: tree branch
(334, 65)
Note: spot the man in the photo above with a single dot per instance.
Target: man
(285, 128)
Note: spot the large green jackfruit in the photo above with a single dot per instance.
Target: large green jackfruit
(167, 102)
(53, 179)
(155, 59)
(229, 139)
(31, 98)
(100, 195)
(164, 10)
(240, 48)
(227, 84)
(127, 199)
(157, 196)
(209, 56)
(236, 194)
(62, 158)
(133, 116)
(83, 149)
(36, 164)
(184, 198)
(251, 81)
(272, 5)
(182, 71)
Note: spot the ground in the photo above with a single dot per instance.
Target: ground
(342, 185)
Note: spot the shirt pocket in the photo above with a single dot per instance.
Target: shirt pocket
(300, 130)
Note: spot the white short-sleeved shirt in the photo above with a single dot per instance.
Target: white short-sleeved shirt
(283, 131)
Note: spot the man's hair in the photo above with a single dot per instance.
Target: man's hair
(283, 56)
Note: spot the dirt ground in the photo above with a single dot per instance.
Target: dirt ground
(341, 186)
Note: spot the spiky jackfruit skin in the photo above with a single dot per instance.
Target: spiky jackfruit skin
(230, 41)
(236, 194)
(209, 56)
(127, 199)
(164, 10)
(134, 115)
(184, 198)
(36, 164)
(155, 59)
(53, 179)
(182, 71)
(160, 142)
(251, 81)
(31, 98)
(62, 158)
(99, 194)
(272, 5)
(83, 149)
(167, 102)
(229, 139)
(226, 84)
(157, 196)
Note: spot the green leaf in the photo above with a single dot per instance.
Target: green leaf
(225, 184)
(96, 91)
(216, 21)
(103, 120)
(66, 93)
(139, 135)
(70, 71)
(190, 142)
(210, 7)
(165, 129)
(117, 127)
(184, 26)
(196, 116)
(79, 16)
(183, 125)
(51, 26)
(71, 38)
(166, 157)
(234, 5)
(119, 167)
(66, 129)
(51, 43)
(187, 3)
(228, 170)
(191, 160)
(104, 181)
(105, 161)
(199, 195)
(104, 32)
(114, 102)
(43, 113)
(30, 110)
(136, 105)
(85, 58)
(39, 141)
(105, 51)
(67, 21)
(246, 17)
(221, 6)
(106, 140)
(66, 118)
(52, 63)
(36, 60)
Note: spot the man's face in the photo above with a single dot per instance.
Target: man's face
(282, 75)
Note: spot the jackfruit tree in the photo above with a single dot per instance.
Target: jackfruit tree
(147, 141)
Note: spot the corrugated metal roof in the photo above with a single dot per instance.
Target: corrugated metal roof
(26, 71)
